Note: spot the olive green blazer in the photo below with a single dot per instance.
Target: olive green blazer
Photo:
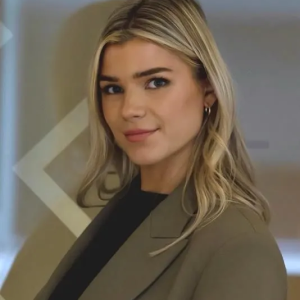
(233, 258)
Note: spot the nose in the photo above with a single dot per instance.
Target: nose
(133, 106)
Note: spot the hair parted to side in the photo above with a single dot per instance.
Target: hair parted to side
(220, 170)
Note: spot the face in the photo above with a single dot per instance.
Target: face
(151, 101)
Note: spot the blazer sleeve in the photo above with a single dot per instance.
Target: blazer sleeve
(249, 267)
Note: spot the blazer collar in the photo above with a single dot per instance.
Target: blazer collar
(169, 219)
(131, 270)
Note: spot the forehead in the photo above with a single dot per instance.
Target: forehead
(138, 54)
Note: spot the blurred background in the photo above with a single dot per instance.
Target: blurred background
(45, 50)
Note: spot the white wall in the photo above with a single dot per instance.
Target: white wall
(264, 57)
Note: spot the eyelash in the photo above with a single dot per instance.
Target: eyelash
(105, 89)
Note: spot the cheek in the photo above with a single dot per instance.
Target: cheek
(105, 111)
(109, 114)
(187, 122)
(110, 127)
(184, 115)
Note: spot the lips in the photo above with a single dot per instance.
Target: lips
(138, 135)
(138, 131)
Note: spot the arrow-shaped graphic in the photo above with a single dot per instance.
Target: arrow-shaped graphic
(5, 36)
(31, 169)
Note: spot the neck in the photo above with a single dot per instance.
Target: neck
(166, 175)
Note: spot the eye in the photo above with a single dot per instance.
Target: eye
(156, 83)
(111, 89)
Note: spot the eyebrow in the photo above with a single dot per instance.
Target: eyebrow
(136, 75)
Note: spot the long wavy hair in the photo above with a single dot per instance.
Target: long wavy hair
(220, 170)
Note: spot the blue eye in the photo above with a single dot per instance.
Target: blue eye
(157, 83)
(111, 89)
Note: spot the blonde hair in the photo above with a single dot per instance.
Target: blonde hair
(220, 170)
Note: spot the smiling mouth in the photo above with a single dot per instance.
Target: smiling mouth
(139, 136)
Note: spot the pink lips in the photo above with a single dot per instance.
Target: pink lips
(138, 135)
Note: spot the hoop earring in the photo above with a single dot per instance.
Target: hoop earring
(207, 110)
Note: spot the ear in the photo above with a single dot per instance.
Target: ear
(209, 94)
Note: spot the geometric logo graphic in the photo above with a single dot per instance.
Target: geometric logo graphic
(5, 34)
(31, 169)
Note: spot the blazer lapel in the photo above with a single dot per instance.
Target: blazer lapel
(79, 245)
(132, 270)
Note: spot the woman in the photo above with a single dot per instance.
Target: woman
(188, 221)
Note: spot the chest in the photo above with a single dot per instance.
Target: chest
(124, 281)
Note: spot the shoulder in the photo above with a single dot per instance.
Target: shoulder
(235, 222)
(238, 254)
(238, 231)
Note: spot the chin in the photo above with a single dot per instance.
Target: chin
(145, 159)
